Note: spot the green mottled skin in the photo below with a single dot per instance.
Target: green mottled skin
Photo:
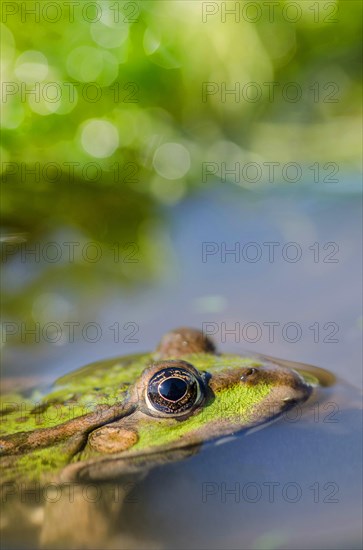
(72, 395)
(232, 408)
(224, 408)
(76, 393)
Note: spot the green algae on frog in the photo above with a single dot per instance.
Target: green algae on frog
(123, 415)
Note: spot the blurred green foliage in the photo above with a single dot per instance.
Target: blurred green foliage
(140, 67)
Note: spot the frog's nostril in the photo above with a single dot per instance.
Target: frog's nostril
(248, 373)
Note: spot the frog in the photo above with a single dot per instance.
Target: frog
(118, 418)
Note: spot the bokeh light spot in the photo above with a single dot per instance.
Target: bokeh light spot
(40, 105)
(99, 138)
(171, 161)
(109, 37)
(151, 41)
(31, 66)
(85, 63)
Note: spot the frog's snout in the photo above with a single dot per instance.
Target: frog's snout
(288, 387)
(294, 389)
(296, 395)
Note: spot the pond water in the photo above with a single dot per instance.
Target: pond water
(295, 480)
(293, 483)
(319, 293)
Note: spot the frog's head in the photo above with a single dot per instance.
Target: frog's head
(180, 403)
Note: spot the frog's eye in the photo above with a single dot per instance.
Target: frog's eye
(174, 391)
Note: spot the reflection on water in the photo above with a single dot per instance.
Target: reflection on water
(296, 479)
(73, 239)
(89, 310)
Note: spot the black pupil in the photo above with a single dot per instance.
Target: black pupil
(173, 389)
